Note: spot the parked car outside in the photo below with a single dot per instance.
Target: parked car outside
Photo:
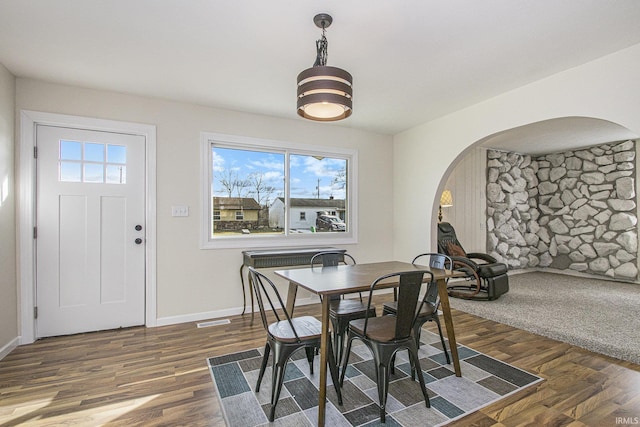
(330, 222)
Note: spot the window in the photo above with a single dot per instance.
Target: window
(92, 162)
(275, 193)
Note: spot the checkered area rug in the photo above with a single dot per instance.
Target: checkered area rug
(484, 380)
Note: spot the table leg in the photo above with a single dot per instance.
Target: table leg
(448, 321)
(324, 349)
(291, 298)
(244, 295)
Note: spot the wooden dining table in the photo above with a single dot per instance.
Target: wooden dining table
(345, 279)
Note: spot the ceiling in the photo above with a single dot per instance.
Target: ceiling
(412, 60)
(555, 135)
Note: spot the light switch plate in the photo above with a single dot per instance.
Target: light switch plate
(179, 210)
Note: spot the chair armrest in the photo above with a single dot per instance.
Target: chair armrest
(464, 262)
(484, 257)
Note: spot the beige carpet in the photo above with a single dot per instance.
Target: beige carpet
(598, 315)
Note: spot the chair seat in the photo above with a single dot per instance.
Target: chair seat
(392, 307)
(381, 329)
(344, 307)
(307, 327)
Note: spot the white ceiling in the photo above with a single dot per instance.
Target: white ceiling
(412, 60)
(552, 136)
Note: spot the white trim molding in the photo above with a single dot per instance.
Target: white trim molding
(27, 214)
(218, 314)
(8, 348)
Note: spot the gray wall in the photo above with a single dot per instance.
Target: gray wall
(573, 211)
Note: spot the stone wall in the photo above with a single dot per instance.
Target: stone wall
(569, 211)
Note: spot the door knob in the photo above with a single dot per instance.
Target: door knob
(138, 227)
(138, 241)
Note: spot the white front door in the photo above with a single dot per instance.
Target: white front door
(90, 233)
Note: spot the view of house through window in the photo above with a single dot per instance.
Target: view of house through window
(277, 191)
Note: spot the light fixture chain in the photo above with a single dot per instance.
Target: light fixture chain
(321, 47)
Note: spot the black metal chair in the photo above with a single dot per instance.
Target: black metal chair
(429, 310)
(486, 278)
(386, 335)
(341, 310)
(285, 336)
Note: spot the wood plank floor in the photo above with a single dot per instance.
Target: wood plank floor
(159, 377)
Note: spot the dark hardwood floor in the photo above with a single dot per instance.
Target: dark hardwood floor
(159, 376)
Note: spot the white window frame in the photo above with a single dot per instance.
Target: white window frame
(275, 240)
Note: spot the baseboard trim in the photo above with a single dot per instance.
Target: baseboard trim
(584, 275)
(216, 314)
(9, 347)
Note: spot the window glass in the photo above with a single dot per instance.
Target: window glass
(93, 172)
(93, 152)
(319, 183)
(117, 154)
(245, 183)
(272, 192)
(86, 162)
(70, 172)
(116, 174)
(70, 150)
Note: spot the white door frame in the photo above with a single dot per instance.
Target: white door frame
(27, 213)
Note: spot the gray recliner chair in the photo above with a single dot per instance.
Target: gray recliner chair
(486, 278)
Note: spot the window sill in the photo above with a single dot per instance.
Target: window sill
(253, 242)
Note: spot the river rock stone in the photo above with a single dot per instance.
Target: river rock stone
(627, 270)
(629, 241)
(593, 178)
(625, 188)
(622, 221)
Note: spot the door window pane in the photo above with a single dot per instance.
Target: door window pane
(86, 162)
(70, 172)
(93, 172)
(116, 174)
(117, 154)
(70, 150)
(93, 152)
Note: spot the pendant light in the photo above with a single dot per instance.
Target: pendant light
(324, 92)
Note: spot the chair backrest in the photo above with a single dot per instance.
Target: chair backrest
(410, 283)
(263, 287)
(436, 260)
(446, 238)
(332, 258)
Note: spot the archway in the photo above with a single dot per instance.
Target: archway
(466, 177)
